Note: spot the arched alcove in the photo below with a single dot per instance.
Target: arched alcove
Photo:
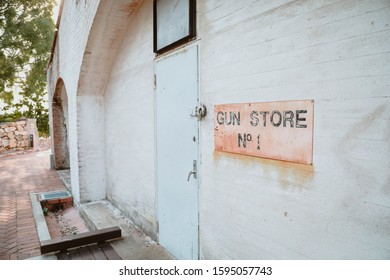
(105, 37)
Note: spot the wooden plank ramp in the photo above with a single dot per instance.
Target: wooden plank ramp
(102, 251)
(79, 242)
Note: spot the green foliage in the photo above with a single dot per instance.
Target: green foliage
(26, 34)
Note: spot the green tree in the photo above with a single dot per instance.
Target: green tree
(26, 34)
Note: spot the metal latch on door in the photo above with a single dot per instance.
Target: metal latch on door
(193, 172)
(199, 111)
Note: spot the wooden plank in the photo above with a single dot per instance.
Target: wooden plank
(92, 252)
(75, 254)
(109, 252)
(97, 252)
(81, 239)
(69, 255)
(63, 256)
(85, 253)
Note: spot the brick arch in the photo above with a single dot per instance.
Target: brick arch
(60, 126)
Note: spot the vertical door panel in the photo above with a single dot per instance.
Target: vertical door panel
(177, 149)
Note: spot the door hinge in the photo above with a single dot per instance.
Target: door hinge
(154, 81)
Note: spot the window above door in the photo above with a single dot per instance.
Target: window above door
(174, 23)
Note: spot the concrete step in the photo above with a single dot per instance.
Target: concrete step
(135, 245)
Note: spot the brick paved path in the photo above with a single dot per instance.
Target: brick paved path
(20, 175)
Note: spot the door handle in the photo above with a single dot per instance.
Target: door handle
(193, 172)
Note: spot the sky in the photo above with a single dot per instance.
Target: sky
(55, 11)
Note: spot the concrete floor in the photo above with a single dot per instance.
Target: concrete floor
(134, 245)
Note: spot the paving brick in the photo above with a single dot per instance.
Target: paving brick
(10, 241)
(12, 250)
(11, 245)
(31, 173)
(3, 251)
(26, 240)
(11, 232)
(29, 248)
(25, 228)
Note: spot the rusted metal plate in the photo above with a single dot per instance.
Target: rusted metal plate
(280, 130)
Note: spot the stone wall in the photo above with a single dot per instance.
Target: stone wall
(15, 136)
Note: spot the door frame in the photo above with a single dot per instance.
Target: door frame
(183, 48)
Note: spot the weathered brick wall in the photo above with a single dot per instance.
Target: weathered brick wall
(60, 137)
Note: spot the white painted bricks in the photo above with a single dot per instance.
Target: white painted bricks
(334, 52)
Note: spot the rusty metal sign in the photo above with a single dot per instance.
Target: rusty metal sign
(280, 130)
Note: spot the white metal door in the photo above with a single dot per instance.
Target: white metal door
(177, 152)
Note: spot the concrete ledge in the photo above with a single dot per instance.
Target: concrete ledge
(40, 222)
(65, 177)
(41, 226)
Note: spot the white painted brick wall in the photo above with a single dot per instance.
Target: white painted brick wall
(106, 34)
(129, 124)
(76, 20)
(337, 53)
(91, 144)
